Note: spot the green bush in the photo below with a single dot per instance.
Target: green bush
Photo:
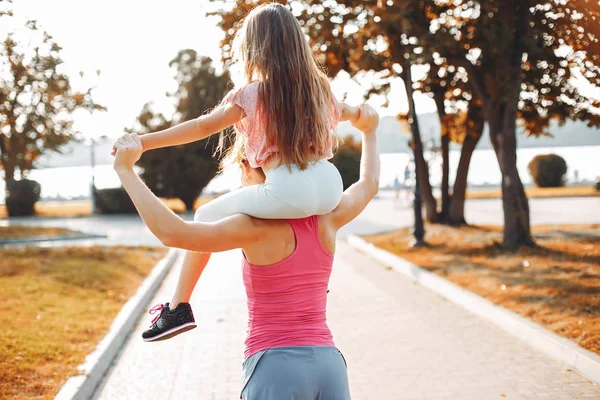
(347, 161)
(21, 197)
(548, 170)
(180, 171)
(114, 201)
(184, 171)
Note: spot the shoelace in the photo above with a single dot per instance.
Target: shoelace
(154, 310)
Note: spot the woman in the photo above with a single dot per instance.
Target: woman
(287, 264)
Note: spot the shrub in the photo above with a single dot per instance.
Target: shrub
(21, 197)
(180, 171)
(548, 170)
(347, 161)
(114, 201)
(184, 171)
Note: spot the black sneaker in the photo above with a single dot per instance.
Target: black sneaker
(169, 322)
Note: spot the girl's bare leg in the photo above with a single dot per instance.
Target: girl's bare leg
(191, 269)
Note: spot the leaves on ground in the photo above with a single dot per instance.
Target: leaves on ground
(13, 232)
(556, 284)
(57, 304)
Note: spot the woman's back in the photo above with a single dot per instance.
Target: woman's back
(287, 299)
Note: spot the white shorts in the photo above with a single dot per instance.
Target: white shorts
(286, 194)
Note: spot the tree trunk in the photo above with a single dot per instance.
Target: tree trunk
(429, 201)
(188, 202)
(501, 115)
(502, 123)
(474, 130)
(445, 142)
(9, 174)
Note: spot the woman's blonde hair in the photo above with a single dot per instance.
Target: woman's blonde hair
(295, 98)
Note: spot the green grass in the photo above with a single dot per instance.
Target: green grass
(56, 305)
(539, 193)
(14, 232)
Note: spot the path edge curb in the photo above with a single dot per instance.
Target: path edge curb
(37, 239)
(92, 370)
(549, 343)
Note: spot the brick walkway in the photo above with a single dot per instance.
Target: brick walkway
(400, 340)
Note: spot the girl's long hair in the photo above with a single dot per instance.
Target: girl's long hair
(294, 95)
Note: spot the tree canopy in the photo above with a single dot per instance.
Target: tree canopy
(518, 58)
(36, 100)
(184, 171)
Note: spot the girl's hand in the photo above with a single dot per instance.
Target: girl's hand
(114, 148)
(128, 149)
(368, 119)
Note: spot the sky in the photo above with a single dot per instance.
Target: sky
(131, 42)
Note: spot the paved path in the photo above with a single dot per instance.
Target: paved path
(401, 342)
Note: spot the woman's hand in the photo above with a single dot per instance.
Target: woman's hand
(368, 119)
(128, 149)
(349, 113)
(113, 151)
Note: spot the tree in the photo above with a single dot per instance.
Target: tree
(347, 161)
(36, 102)
(468, 132)
(184, 171)
(326, 25)
(461, 122)
(520, 57)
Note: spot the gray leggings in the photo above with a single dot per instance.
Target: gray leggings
(296, 373)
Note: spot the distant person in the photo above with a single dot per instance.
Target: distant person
(407, 174)
(397, 187)
(285, 113)
(290, 353)
(409, 179)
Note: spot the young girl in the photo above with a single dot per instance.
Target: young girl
(285, 114)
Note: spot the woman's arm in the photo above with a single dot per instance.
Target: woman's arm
(193, 130)
(229, 233)
(357, 196)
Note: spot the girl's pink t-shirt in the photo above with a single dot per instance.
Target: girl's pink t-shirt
(287, 301)
(252, 126)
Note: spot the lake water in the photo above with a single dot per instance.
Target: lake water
(583, 163)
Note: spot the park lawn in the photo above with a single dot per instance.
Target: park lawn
(57, 303)
(78, 208)
(556, 285)
(539, 193)
(13, 232)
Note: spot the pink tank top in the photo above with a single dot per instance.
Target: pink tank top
(287, 300)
